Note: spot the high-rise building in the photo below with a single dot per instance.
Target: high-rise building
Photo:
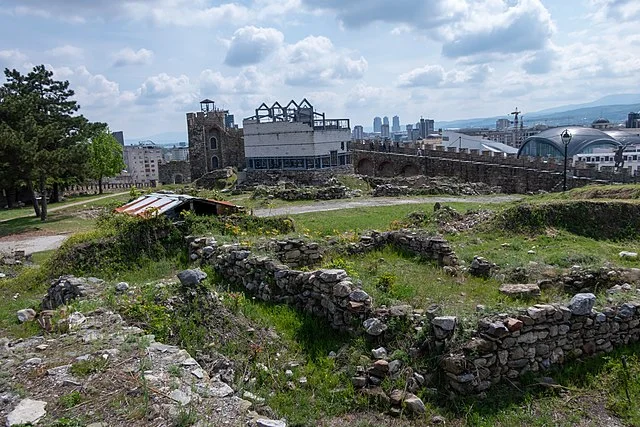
(396, 124)
(385, 120)
(409, 129)
(358, 133)
(633, 120)
(502, 124)
(426, 127)
(377, 124)
(142, 161)
(119, 136)
(385, 130)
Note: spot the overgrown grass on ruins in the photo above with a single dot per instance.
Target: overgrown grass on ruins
(265, 340)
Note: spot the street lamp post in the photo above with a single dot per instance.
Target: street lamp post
(566, 139)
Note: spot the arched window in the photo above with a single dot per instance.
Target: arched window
(213, 143)
(177, 179)
(215, 164)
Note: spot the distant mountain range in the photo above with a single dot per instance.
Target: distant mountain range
(615, 108)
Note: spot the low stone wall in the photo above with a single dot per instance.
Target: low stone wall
(537, 339)
(419, 243)
(329, 192)
(325, 293)
(296, 252)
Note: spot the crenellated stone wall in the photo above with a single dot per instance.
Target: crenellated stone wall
(537, 339)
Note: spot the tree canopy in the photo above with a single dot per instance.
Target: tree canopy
(43, 139)
(105, 156)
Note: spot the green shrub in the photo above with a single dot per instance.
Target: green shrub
(342, 264)
(386, 282)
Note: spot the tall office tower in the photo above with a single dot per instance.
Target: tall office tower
(385, 131)
(426, 127)
(385, 120)
(377, 124)
(358, 133)
(396, 124)
(502, 124)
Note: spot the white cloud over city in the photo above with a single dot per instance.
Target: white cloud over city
(140, 65)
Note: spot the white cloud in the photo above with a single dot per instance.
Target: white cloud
(617, 10)
(12, 58)
(246, 82)
(67, 51)
(429, 75)
(160, 12)
(92, 91)
(166, 89)
(426, 14)
(251, 45)
(436, 76)
(128, 56)
(316, 61)
(499, 27)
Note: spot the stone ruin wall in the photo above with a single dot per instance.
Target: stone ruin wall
(325, 293)
(535, 340)
(503, 347)
(306, 177)
(169, 171)
(429, 247)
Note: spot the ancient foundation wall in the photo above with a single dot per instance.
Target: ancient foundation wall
(537, 339)
(308, 177)
(325, 293)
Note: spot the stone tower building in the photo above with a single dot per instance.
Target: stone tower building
(213, 144)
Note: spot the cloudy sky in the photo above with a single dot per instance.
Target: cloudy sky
(140, 65)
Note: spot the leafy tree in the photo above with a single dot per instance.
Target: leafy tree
(105, 156)
(40, 115)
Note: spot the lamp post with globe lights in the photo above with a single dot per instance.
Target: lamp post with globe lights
(566, 139)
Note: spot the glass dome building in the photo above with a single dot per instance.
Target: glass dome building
(549, 143)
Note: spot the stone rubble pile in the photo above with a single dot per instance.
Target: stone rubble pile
(480, 267)
(542, 336)
(369, 380)
(67, 288)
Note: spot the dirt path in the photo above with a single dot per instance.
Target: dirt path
(44, 243)
(332, 205)
(58, 208)
(33, 243)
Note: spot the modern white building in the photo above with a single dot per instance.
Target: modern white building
(142, 162)
(295, 137)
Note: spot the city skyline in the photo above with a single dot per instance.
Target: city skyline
(142, 65)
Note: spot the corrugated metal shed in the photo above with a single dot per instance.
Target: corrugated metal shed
(172, 204)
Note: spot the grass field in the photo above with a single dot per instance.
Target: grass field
(589, 391)
(64, 220)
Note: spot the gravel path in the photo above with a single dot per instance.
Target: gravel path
(332, 205)
(33, 244)
(44, 243)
